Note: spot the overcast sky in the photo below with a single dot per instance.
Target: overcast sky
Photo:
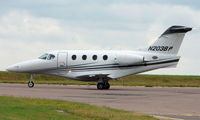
(29, 28)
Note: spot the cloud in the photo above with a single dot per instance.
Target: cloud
(22, 26)
(23, 36)
(26, 33)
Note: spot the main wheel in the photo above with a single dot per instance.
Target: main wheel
(106, 85)
(100, 86)
(30, 84)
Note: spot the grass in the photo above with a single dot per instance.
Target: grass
(133, 80)
(160, 80)
(12, 108)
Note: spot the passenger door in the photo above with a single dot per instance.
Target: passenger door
(62, 60)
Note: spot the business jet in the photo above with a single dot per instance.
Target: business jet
(104, 65)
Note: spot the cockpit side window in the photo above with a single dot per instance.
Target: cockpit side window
(50, 57)
(44, 56)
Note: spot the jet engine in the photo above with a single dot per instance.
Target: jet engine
(129, 59)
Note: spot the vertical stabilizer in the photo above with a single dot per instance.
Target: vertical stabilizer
(170, 41)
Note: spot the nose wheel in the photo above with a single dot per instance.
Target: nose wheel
(31, 83)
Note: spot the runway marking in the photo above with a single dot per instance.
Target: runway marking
(178, 116)
(166, 118)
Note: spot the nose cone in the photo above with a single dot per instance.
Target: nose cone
(28, 66)
(13, 68)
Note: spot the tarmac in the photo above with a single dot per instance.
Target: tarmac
(179, 103)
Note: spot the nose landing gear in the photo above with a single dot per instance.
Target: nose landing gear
(31, 83)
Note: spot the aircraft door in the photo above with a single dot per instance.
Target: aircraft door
(62, 60)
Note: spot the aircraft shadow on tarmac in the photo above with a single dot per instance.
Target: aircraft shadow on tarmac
(92, 88)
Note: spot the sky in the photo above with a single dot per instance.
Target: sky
(29, 28)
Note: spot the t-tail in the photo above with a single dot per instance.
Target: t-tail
(170, 41)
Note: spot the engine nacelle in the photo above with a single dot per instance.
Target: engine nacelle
(129, 59)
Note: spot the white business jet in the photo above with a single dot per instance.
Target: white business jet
(104, 65)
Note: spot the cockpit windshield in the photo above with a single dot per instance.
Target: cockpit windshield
(50, 57)
(44, 56)
(47, 56)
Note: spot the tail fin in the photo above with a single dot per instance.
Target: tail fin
(170, 41)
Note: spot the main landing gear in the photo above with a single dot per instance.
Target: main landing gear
(103, 84)
(31, 83)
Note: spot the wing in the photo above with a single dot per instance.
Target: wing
(94, 77)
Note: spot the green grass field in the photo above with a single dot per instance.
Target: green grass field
(12, 108)
(133, 80)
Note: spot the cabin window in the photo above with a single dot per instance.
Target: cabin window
(84, 57)
(73, 57)
(94, 57)
(105, 57)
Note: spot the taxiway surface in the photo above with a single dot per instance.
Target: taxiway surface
(151, 100)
